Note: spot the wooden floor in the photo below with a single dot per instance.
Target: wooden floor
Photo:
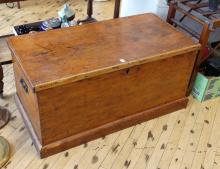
(37, 10)
(185, 139)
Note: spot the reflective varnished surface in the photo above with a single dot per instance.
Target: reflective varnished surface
(60, 56)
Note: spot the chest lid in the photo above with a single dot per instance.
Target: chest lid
(62, 56)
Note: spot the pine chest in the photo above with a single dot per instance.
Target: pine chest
(81, 83)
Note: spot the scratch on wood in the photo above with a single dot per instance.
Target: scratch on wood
(114, 148)
(165, 127)
(7, 164)
(150, 136)
(21, 129)
(45, 166)
(162, 146)
(206, 121)
(127, 163)
(134, 143)
(95, 159)
(13, 118)
(147, 157)
(209, 145)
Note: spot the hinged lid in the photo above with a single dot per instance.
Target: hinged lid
(62, 56)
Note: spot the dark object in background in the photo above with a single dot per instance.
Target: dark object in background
(52, 23)
(213, 5)
(27, 28)
(89, 18)
(211, 67)
(4, 116)
(23, 29)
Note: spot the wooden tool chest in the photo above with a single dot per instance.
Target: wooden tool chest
(80, 83)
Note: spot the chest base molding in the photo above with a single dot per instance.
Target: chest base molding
(101, 131)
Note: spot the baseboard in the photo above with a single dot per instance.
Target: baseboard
(81, 138)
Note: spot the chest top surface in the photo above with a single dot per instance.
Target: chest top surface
(70, 54)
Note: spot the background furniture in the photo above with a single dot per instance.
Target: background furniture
(197, 11)
(4, 116)
(117, 8)
(10, 1)
(5, 58)
(89, 18)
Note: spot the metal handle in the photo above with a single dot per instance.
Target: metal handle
(24, 85)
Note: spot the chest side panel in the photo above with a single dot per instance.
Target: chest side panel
(28, 98)
(89, 103)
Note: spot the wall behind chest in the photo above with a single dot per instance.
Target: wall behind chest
(132, 7)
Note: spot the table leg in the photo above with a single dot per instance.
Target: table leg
(89, 18)
(201, 55)
(1, 81)
(117, 8)
(4, 116)
(204, 41)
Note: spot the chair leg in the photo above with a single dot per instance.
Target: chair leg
(204, 38)
(171, 12)
(1, 81)
(89, 18)
(117, 8)
(19, 5)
